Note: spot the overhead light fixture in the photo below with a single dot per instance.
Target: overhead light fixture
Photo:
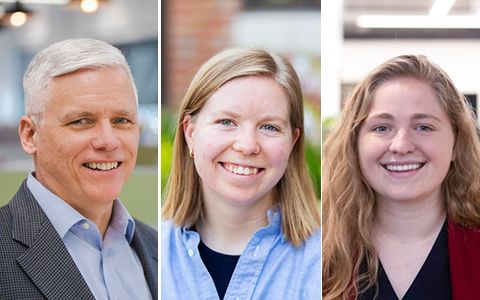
(395, 21)
(16, 15)
(441, 8)
(87, 6)
(57, 2)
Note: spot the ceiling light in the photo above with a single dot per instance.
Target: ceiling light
(89, 6)
(441, 8)
(18, 18)
(395, 21)
(16, 15)
(58, 2)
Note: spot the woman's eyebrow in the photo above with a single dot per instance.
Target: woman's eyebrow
(420, 116)
(382, 116)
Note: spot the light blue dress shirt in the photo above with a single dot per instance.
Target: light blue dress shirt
(269, 267)
(111, 268)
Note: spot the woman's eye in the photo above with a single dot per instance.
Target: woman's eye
(424, 128)
(381, 128)
(269, 127)
(226, 122)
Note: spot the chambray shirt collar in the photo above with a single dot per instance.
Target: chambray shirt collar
(274, 215)
(64, 217)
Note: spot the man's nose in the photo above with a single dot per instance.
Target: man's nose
(105, 137)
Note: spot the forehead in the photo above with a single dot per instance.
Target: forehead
(108, 87)
(258, 94)
(405, 94)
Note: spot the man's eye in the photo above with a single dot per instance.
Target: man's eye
(79, 122)
(121, 120)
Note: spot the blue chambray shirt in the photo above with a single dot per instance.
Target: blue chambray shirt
(111, 268)
(269, 267)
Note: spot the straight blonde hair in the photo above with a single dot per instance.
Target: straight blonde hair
(294, 192)
(349, 257)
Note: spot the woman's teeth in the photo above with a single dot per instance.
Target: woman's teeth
(241, 170)
(403, 168)
(102, 166)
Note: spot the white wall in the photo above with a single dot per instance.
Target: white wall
(278, 31)
(459, 58)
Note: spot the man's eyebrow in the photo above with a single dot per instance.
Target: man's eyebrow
(76, 114)
(126, 112)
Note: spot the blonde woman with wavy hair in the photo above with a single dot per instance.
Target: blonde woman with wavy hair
(240, 218)
(401, 189)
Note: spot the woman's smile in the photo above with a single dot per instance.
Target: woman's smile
(242, 140)
(244, 170)
(405, 144)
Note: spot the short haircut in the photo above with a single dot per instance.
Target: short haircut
(64, 58)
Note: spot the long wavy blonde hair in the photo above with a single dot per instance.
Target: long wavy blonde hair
(294, 192)
(348, 201)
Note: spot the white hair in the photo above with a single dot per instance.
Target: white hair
(64, 58)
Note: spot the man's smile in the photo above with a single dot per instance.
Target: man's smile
(102, 166)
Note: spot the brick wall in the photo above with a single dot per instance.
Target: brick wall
(193, 31)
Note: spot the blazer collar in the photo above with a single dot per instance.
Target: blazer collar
(46, 260)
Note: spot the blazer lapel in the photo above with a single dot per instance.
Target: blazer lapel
(148, 258)
(464, 256)
(46, 261)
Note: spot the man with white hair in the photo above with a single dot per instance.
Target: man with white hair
(65, 234)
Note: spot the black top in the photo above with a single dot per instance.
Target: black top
(220, 266)
(432, 281)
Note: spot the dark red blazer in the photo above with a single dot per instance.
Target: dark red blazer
(464, 256)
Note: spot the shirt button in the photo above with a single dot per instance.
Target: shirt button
(85, 225)
(190, 252)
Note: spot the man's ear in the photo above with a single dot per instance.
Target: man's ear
(188, 128)
(27, 131)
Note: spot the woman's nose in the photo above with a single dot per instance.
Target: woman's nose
(247, 142)
(402, 142)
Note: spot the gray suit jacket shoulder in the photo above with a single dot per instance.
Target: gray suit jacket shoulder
(35, 264)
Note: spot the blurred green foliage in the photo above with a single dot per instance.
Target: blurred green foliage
(168, 128)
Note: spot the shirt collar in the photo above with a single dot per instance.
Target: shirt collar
(63, 216)
(274, 215)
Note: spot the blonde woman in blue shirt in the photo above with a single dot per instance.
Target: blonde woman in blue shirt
(240, 218)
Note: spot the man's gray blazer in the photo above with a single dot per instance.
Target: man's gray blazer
(35, 263)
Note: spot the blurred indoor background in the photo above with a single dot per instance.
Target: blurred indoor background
(193, 31)
(358, 35)
(27, 27)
